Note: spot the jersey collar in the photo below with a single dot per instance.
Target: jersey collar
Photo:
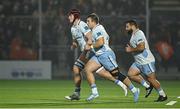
(135, 31)
(77, 23)
(96, 26)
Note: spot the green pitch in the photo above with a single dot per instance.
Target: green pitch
(50, 94)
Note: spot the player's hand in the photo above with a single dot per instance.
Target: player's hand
(73, 46)
(87, 47)
(128, 48)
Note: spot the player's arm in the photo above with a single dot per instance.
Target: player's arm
(88, 40)
(74, 41)
(139, 48)
(88, 35)
(99, 43)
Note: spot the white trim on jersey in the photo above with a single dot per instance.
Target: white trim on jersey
(87, 32)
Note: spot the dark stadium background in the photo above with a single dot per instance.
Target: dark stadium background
(36, 60)
(41, 31)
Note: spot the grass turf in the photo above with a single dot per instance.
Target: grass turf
(50, 94)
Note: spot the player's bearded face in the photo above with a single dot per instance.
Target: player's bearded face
(129, 29)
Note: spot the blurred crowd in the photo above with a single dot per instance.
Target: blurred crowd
(19, 27)
(165, 39)
(18, 30)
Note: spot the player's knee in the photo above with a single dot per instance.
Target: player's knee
(114, 73)
(76, 69)
(87, 69)
(151, 76)
(150, 79)
(130, 77)
(133, 72)
(120, 76)
(130, 74)
(77, 75)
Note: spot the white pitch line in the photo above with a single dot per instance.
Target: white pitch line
(178, 97)
(171, 103)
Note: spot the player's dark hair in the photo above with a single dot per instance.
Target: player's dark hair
(75, 12)
(94, 17)
(132, 22)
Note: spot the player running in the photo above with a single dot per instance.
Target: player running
(105, 57)
(144, 60)
(81, 37)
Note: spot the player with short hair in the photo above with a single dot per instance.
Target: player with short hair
(144, 60)
(104, 56)
(81, 35)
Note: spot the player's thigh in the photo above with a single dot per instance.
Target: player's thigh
(149, 69)
(104, 73)
(83, 57)
(151, 76)
(108, 61)
(134, 70)
(92, 65)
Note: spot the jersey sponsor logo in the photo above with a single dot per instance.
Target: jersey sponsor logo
(86, 28)
(99, 33)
